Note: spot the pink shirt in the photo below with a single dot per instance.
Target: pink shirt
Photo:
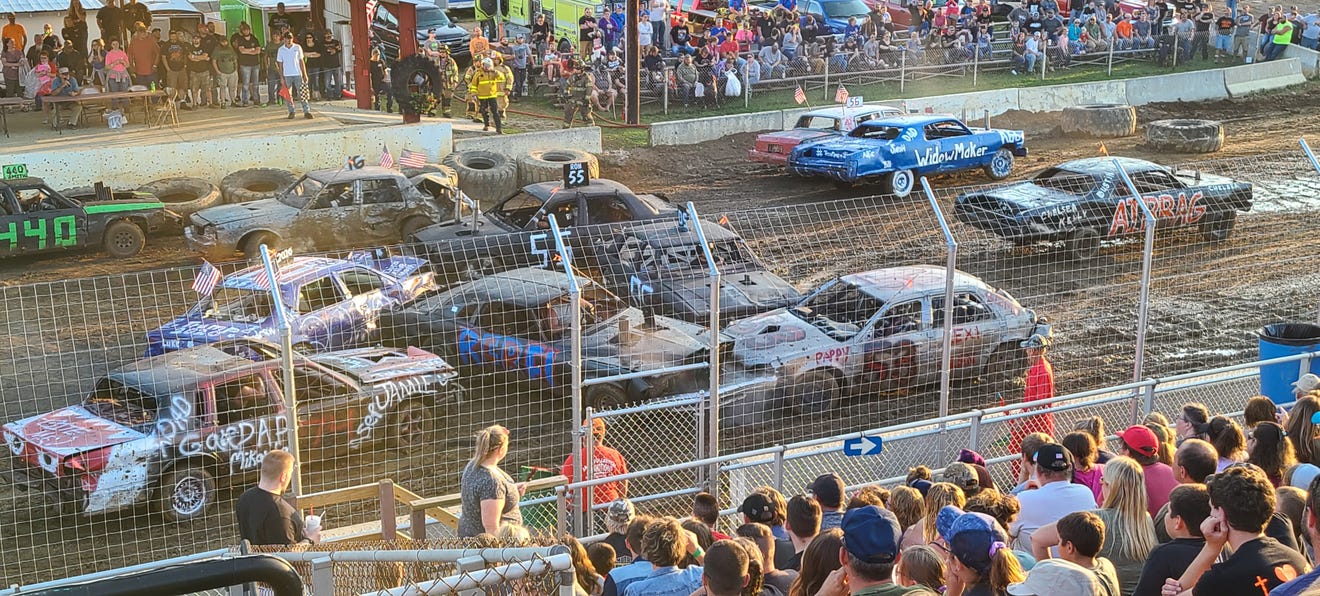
(116, 61)
(1159, 483)
(1090, 479)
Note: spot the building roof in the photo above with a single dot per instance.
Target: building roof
(29, 6)
(168, 7)
(289, 5)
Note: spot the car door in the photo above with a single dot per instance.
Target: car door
(249, 421)
(951, 144)
(325, 316)
(1170, 201)
(975, 332)
(897, 348)
(332, 219)
(368, 295)
(381, 210)
(43, 220)
(329, 411)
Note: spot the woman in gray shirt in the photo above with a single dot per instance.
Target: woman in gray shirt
(490, 496)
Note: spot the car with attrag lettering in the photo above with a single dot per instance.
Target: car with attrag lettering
(36, 219)
(1084, 202)
(773, 147)
(896, 151)
(516, 232)
(661, 267)
(173, 429)
(516, 325)
(333, 304)
(882, 331)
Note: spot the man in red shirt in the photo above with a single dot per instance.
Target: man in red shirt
(605, 462)
(1040, 386)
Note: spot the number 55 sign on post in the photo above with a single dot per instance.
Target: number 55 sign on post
(576, 175)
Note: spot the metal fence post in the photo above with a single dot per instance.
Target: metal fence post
(1306, 148)
(1143, 403)
(747, 84)
(1148, 251)
(286, 364)
(664, 83)
(946, 344)
(902, 72)
(323, 577)
(575, 366)
(1111, 55)
(1044, 57)
(1175, 50)
(589, 464)
(976, 64)
(779, 469)
(827, 78)
(713, 411)
(561, 509)
(974, 431)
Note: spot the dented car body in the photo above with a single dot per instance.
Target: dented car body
(774, 147)
(171, 428)
(333, 303)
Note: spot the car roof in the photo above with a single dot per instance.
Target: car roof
(293, 273)
(837, 111)
(543, 190)
(28, 182)
(665, 232)
(358, 174)
(177, 371)
(527, 287)
(1105, 165)
(909, 120)
(897, 282)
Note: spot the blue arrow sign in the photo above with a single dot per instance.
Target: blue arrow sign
(858, 446)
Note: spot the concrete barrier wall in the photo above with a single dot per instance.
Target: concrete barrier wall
(1251, 78)
(687, 132)
(131, 167)
(1056, 97)
(584, 138)
(1309, 60)
(997, 101)
(1201, 85)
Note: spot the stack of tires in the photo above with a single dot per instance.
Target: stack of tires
(489, 176)
(186, 195)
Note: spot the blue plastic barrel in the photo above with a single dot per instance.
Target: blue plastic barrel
(1285, 339)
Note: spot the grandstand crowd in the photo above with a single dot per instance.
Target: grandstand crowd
(1198, 505)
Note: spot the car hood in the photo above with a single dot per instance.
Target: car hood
(455, 230)
(383, 365)
(641, 342)
(1025, 196)
(741, 294)
(774, 337)
(269, 212)
(67, 431)
(796, 135)
(185, 332)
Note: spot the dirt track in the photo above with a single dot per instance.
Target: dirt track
(1205, 300)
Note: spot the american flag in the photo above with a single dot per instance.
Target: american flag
(386, 160)
(262, 280)
(207, 279)
(800, 96)
(371, 9)
(412, 159)
(841, 95)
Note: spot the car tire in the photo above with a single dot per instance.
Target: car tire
(1083, 244)
(606, 397)
(186, 493)
(547, 165)
(1101, 121)
(412, 428)
(406, 71)
(251, 246)
(123, 239)
(184, 196)
(1185, 136)
(1001, 164)
(484, 175)
(1218, 227)
(255, 184)
(899, 183)
(814, 392)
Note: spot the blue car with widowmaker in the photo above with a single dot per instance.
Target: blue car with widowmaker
(896, 150)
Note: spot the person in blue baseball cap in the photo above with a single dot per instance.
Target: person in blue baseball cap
(979, 560)
(869, 554)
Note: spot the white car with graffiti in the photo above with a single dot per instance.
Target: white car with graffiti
(169, 429)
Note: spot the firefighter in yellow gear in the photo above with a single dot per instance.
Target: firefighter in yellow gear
(507, 85)
(485, 87)
(472, 111)
(578, 95)
(448, 78)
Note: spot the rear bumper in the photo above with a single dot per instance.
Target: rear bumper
(839, 172)
(776, 159)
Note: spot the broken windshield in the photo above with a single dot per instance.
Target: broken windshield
(122, 404)
(235, 305)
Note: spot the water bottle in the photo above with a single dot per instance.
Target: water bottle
(153, 85)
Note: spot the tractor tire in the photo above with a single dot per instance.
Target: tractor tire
(413, 70)
(1185, 136)
(1101, 121)
(184, 196)
(484, 175)
(547, 165)
(255, 184)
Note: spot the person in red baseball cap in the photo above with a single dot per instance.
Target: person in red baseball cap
(1141, 444)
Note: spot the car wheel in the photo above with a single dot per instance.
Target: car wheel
(411, 225)
(606, 397)
(186, 492)
(813, 393)
(899, 183)
(1001, 165)
(412, 428)
(251, 247)
(123, 239)
(1083, 244)
(1218, 227)
(1004, 372)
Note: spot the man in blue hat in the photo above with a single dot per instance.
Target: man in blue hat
(869, 554)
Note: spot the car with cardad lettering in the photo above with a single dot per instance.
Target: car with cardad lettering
(172, 429)
(517, 325)
(882, 331)
(36, 219)
(1084, 202)
(896, 151)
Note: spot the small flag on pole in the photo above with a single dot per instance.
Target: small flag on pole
(1103, 150)
(371, 9)
(262, 280)
(800, 96)
(207, 279)
(724, 220)
(841, 94)
(386, 160)
(412, 159)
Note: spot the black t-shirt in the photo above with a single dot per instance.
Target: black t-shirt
(540, 31)
(195, 65)
(1280, 528)
(1257, 563)
(589, 33)
(622, 556)
(680, 35)
(107, 18)
(279, 22)
(795, 563)
(241, 43)
(209, 42)
(136, 12)
(1225, 25)
(1168, 560)
(330, 53)
(265, 519)
(1203, 21)
(176, 56)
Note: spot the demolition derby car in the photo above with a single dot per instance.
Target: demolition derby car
(35, 219)
(170, 429)
(662, 268)
(1086, 201)
(516, 232)
(882, 331)
(895, 151)
(773, 147)
(333, 303)
(326, 210)
(518, 324)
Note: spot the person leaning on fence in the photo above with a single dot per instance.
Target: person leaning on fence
(264, 517)
(605, 462)
(489, 495)
(1040, 387)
